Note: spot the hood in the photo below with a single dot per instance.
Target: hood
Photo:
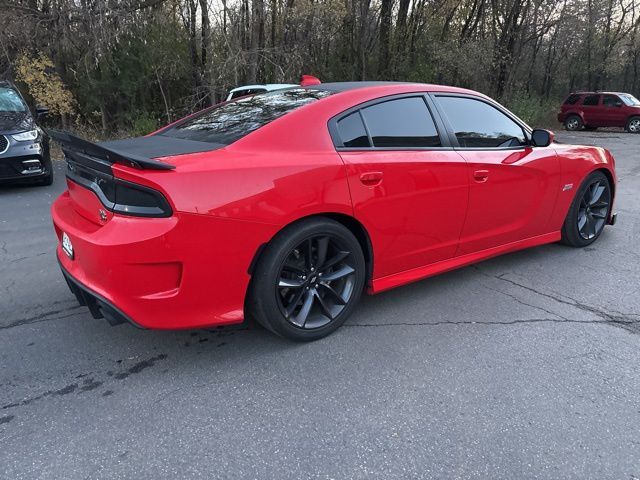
(15, 122)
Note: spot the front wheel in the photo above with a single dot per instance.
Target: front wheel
(589, 211)
(308, 280)
(633, 125)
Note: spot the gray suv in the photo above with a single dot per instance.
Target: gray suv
(24, 147)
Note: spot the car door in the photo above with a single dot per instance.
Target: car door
(613, 113)
(409, 187)
(591, 111)
(513, 186)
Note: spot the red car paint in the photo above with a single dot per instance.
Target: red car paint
(424, 212)
(605, 109)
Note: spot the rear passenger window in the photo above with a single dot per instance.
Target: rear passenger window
(572, 99)
(591, 100)
(352, 132)
(404, 122)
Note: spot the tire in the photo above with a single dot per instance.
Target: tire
(633, 125)
(589, 211)
(287, 294)
(573, 123)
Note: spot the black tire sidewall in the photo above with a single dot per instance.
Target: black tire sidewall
(262, 295)
(570, 234)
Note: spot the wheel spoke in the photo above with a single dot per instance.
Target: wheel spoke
(598, 215)
(333, 294)
(344, 271)
(323, 244)
(337, 258)
(290, 283)
(598, 205)
(308, 258)
(323, 306)
(294, 302)
(582, 219)
(596, 194)
(301, 318)
(592, 227)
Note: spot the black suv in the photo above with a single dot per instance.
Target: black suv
(24, 147)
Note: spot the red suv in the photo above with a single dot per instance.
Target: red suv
(600, 109)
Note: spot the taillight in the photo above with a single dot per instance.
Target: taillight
(138, 200)
(117, 195)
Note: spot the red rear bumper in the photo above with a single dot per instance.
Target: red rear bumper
(185, 271)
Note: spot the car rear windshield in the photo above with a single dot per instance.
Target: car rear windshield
(629, 99)
(10, 101)
(231, 121)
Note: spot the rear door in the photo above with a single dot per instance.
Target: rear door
(409, 187)
(513, 186)
(591, 111)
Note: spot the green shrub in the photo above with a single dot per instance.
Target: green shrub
(535, 111)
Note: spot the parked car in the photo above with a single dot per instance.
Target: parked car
(24, 147)
(285, 206)
(305, 81)
(254, 89)
(591, 110)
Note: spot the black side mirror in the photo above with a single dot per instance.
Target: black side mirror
(541, 138)
(618, 104)
(41, 111)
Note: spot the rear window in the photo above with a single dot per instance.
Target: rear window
(231, 121)
(591, 100)
(572, 99)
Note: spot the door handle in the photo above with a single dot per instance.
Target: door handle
(371, 179)
(481, 176)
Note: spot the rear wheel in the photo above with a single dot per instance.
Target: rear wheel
(633, 125)
(308, 280)
(573, 123)
(589, 211)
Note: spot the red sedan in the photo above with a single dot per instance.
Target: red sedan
(285, 206)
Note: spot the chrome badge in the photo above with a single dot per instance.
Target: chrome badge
(568, 186)
(103, 215)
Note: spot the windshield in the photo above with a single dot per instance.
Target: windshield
(233, 120)
(629, 99)
(10, 101)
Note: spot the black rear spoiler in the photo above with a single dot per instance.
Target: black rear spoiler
(72, 143)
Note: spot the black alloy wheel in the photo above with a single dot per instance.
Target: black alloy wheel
(308, 280)
(594, 209)
(589, 211)
(316, 282)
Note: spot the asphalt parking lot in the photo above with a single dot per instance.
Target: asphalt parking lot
(524, 366)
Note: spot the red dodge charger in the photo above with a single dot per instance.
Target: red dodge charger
(285, 206)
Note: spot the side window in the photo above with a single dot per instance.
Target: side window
(352, 132)
(591, 100)
(248, 91)
(404, 122)
(572, 99)
(479, 125)
(611, 101)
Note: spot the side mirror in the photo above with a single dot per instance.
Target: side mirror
(618, 104)
(541, 138)
(41, 111)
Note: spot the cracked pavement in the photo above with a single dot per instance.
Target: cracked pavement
(523, 366)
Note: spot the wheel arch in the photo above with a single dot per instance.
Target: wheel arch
(350, 223)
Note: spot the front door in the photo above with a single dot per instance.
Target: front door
(513, 186)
